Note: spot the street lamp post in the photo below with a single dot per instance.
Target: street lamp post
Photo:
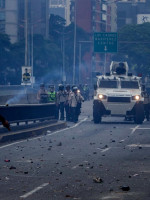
(109, 2)
(26, 32)
(74, 54)
(80, 51)
(63, 54)
(32, 55)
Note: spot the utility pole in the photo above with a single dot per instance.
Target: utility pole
(75, 34)
(63, 51)
(32, 54)
(80, 52)
(26, 32)
(105, 56)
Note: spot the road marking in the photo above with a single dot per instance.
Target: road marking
(111, 197)
(107, 149)
(67, 128)
(120, 195)
(144, 128)
(139, 128)
(59, 131)
(132, 132)
(35, 190)
(134, 129)
(145, 171)
(139, 145)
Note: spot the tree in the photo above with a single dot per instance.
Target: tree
(134, 46)
(17, 51)
(47, 58)
(56, 28)
(4, 57)
(64, 38)
(81, 35)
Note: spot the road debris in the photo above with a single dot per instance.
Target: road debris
(113, 140)
(125, 188)
(7, 160)
(12, 167)
(59, 144)
(98, 180)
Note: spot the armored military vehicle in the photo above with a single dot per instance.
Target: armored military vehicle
(118, 93)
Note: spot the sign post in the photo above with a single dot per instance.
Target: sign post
(105, 42)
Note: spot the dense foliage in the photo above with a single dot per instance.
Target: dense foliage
(134, 47)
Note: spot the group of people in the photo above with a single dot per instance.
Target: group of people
(68, 101)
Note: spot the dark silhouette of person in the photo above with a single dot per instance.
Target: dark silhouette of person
(5, 122)
(121, 69)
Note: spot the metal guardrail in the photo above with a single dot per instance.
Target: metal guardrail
(28, 112)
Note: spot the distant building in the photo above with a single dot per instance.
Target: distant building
(12, 17)
(61, 8)
(132, 12)
(93, 16)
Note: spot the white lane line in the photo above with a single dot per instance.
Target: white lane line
(144, 128)
(33, 191)
(8, 145)
(120, 195)
(134, 129)
(122, 140)
(107, 149)
(132, 132)
(139, 145)
(66, 128)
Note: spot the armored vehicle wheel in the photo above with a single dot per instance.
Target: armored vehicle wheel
(139, 113)
(97, 115)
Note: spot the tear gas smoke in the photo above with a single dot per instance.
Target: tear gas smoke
(17, 98)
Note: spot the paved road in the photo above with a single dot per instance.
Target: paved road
(86, 161)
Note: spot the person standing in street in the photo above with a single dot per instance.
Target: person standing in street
(67, 107)
(51, 94)
(52, 99)
(80, 100)
(74, 101)
(42, 95)
(61, 98)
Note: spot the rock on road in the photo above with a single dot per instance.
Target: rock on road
(85, 161)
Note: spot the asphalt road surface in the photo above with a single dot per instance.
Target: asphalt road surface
(85, 161)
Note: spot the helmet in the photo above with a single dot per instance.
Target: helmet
(61, 87)
(42, 85)
(75, 89)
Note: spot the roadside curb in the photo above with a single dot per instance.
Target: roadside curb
(31, 132)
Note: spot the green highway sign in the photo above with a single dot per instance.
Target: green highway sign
(105, 42)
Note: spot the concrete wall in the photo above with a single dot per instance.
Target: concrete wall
(25, 99)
